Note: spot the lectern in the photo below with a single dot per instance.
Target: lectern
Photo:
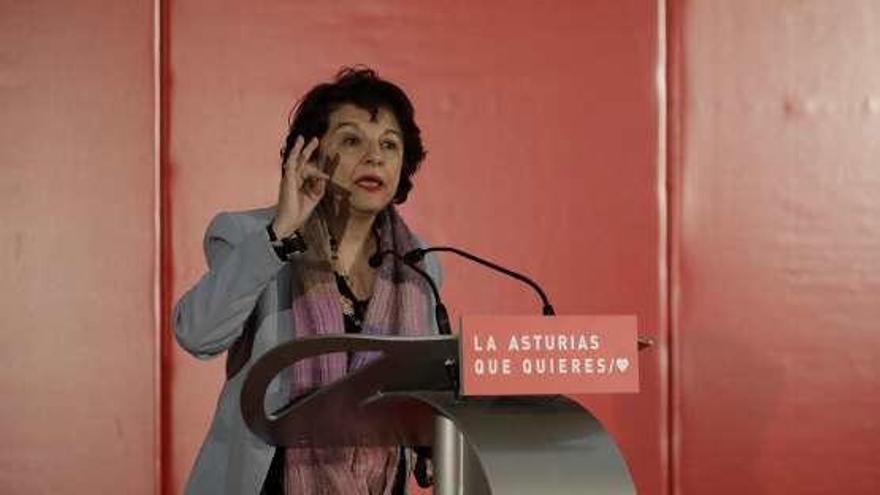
(407, 395)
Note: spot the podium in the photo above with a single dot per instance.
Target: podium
(408, 395)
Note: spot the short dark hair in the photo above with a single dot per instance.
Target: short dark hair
(360, 86)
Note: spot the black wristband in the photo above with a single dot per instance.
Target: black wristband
(287, 247)
(295, 243)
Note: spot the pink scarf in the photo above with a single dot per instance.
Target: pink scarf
(399, 306)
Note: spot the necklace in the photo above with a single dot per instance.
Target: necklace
(348, 277)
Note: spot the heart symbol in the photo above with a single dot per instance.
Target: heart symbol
(622, 364)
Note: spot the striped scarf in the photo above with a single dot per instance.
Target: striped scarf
(399, 306)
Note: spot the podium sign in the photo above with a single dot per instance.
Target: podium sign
(544, 355)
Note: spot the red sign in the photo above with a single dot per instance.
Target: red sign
(533, 355)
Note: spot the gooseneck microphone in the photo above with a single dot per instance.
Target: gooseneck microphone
(440, 313)
(417, 255)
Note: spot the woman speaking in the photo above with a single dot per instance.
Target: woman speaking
(300, 268)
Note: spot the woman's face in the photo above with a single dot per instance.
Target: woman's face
(368, 153)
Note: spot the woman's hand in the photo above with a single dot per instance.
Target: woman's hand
(302, 186)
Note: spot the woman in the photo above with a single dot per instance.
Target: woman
(300, 268)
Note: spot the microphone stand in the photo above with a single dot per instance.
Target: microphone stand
(441, 315)
(417, 255)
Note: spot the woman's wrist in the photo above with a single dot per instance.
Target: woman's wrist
(283, 229)
(285, 246)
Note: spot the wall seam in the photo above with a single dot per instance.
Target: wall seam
(663, 190)
(158, 403)
(673, 25)
(162, 250)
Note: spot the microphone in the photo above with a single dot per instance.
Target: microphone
(418, 254)
(441, 316)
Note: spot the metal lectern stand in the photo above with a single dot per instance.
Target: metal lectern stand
(408, 396)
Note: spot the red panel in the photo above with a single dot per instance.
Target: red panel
(541, 125)
(77, 242)
(777, 255)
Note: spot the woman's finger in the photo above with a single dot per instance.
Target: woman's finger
(306, 174)
(294, 153)
(310, 171)
(308, 152)
(315, 188)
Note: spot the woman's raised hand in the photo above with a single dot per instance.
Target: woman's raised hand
(302, 186)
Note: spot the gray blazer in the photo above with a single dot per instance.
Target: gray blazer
(242, 306)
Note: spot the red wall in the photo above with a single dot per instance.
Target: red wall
(541, 126)
(77, 247)
(776, 228)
